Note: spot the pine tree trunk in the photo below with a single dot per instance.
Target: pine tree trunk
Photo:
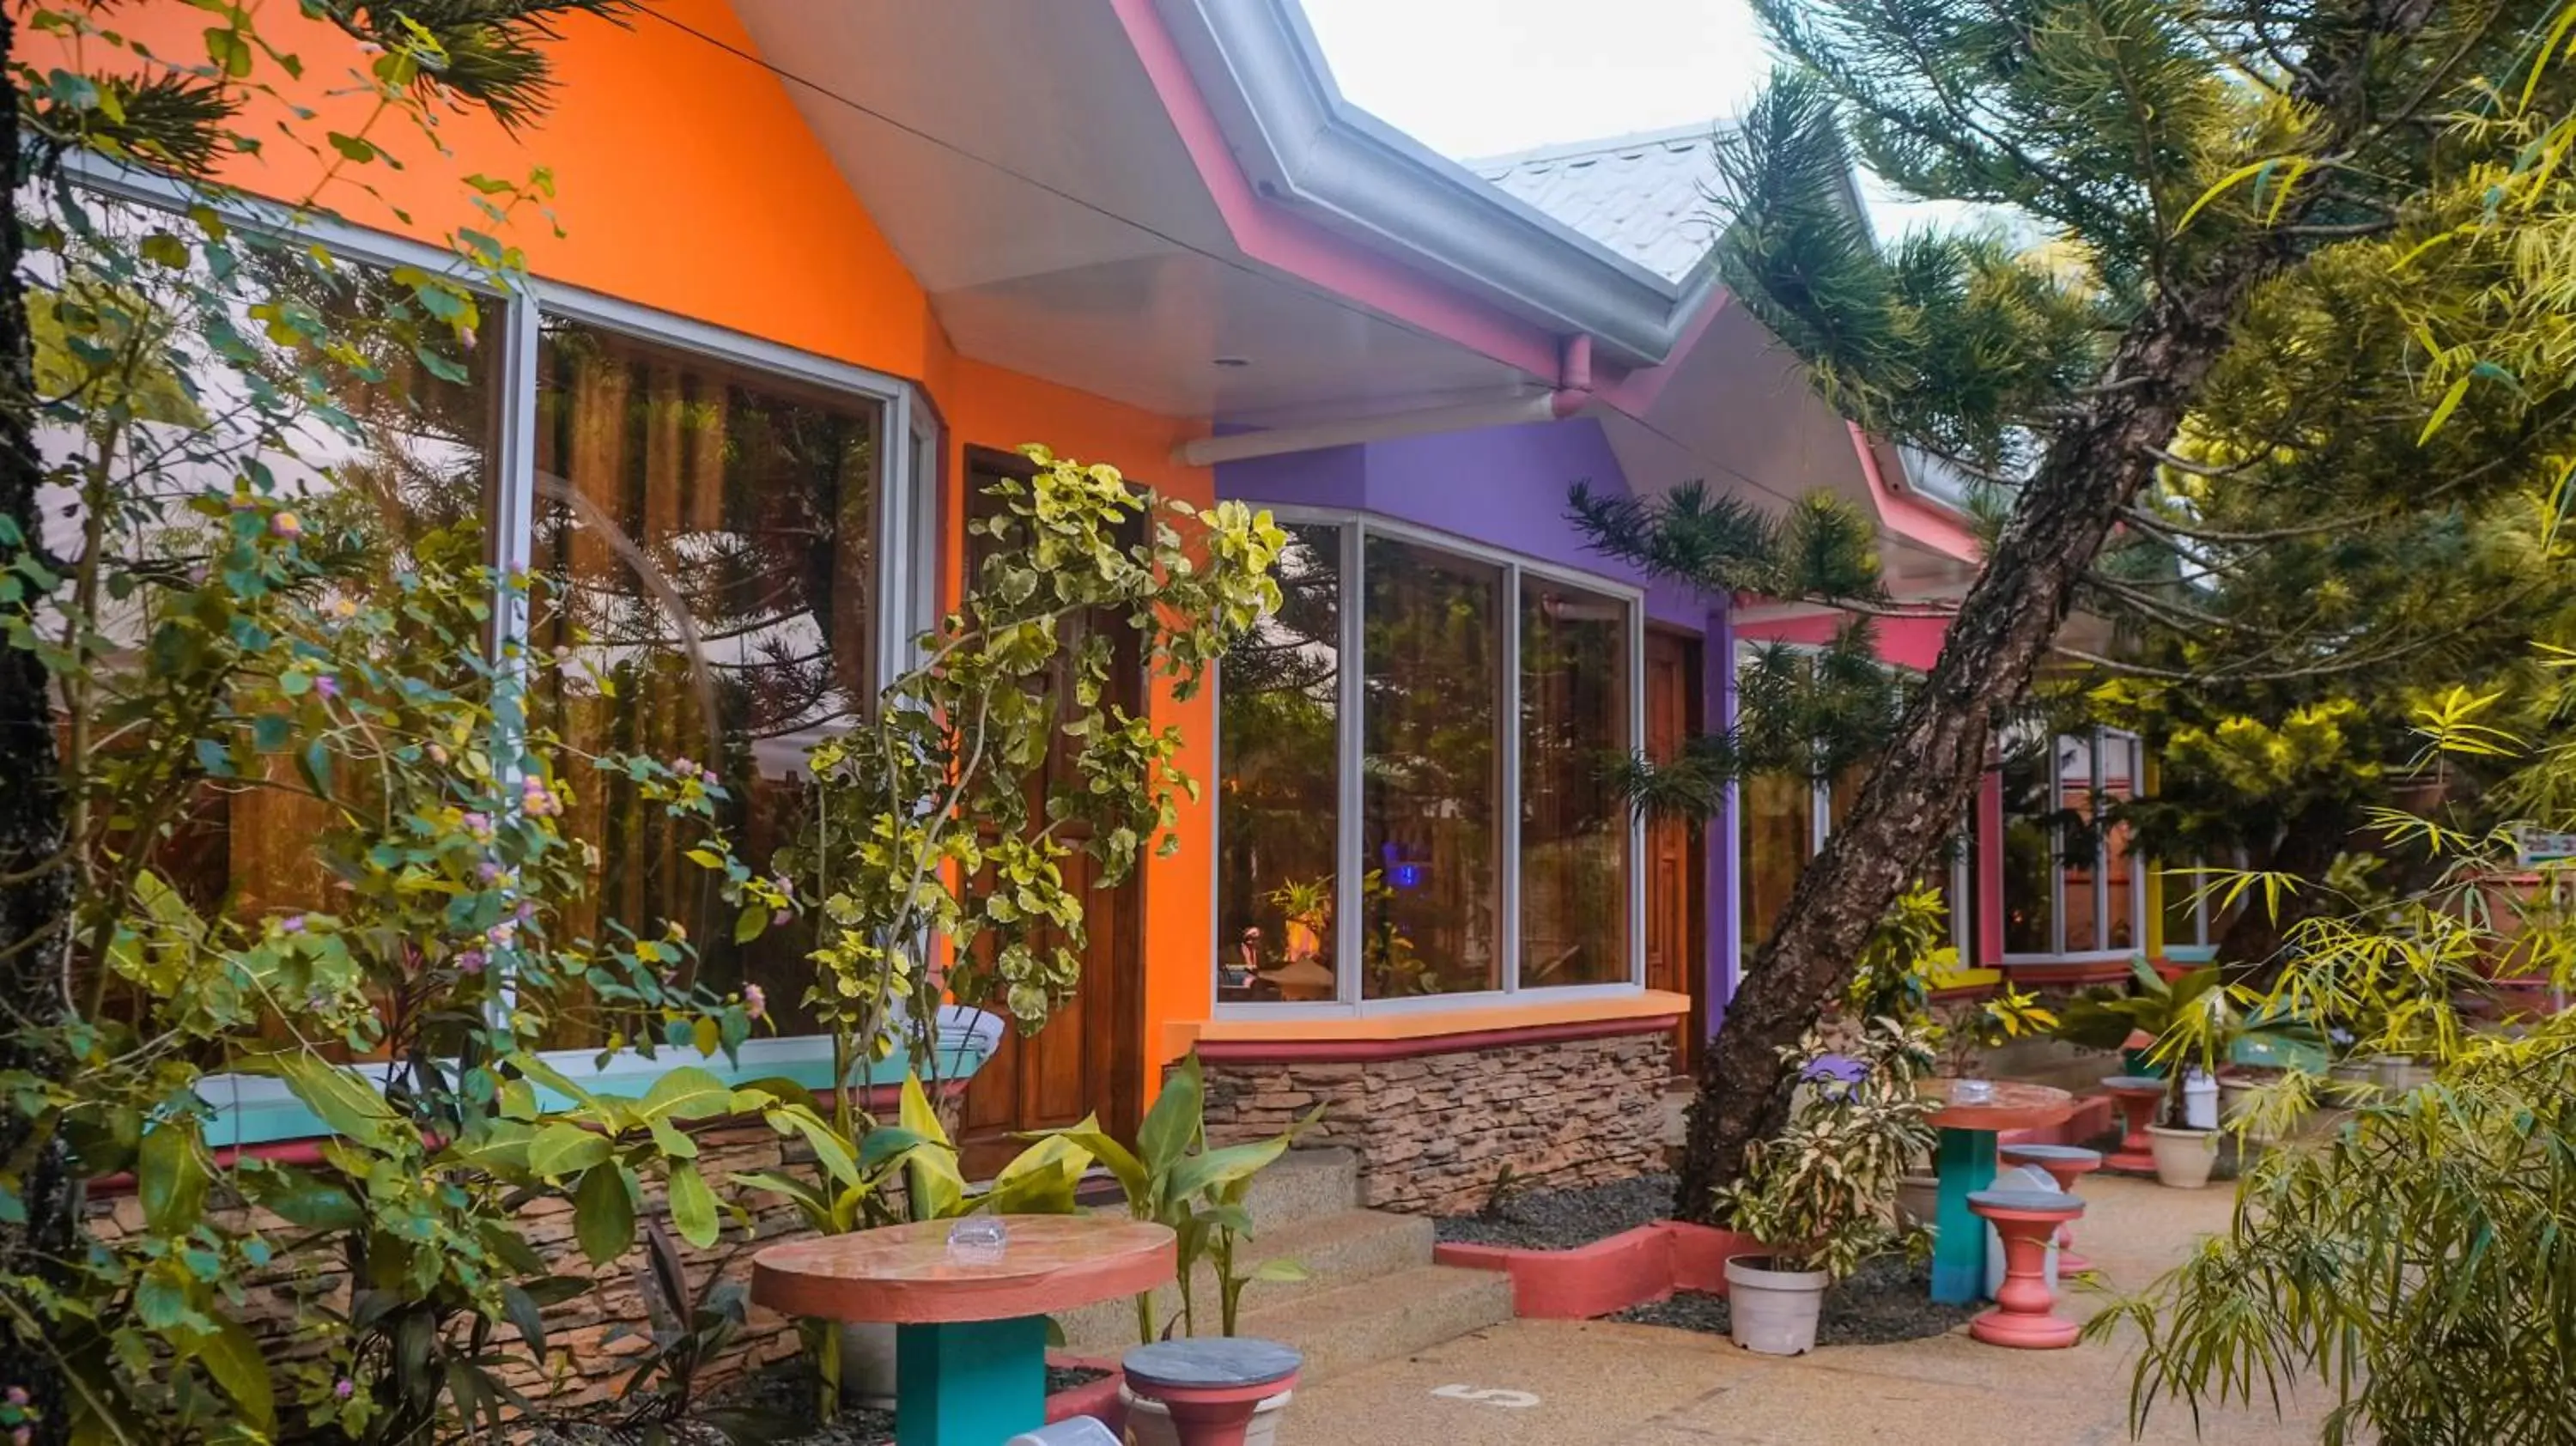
(1923, 782)
(35, 880)
(2096, 462)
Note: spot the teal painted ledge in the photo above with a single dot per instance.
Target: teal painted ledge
(259, 1110)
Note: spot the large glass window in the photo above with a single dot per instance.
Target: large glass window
(401, 455)
(2071, 884)
(1431, 772)
(1279, 714)
(1429, 814)
(1778, 827)
(1575, 832)
(707, 537)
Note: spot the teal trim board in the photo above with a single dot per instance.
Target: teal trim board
(969, 1383)
(1967, 1165)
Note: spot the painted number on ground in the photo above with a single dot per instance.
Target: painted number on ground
(1488, 1396)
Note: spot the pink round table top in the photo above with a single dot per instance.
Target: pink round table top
(904, 1274)
(2014, 1107)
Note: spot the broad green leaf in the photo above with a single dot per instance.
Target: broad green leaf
(1172, 1125)
(674, 1141)
(933, 1187)
(1115, 1157)
(524, 1313)
(693, 1205)
(348, 1103)
(686, 1093)
(552, 1078)
(563, 1148)
(232, 1355)
(830, 1150)
(171, 1176)
(603, 1211)
(2450, 403)
(1216, 1168)
(304, 1199)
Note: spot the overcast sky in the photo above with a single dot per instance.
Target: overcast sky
(1474, 78)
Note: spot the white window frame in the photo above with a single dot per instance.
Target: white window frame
(2098, 949)
(254, 1110)
(1353, 528)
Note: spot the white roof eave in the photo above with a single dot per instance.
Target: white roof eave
(1304, 146)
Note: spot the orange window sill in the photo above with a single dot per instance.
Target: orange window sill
(1645, 1005)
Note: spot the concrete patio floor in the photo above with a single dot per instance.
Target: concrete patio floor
(1590, 1381)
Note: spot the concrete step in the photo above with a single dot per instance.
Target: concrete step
(1304, 1185)
(1384, 1318)
(1335, 1250)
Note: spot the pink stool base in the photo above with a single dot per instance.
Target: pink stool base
(1211, 1415)
(2137, 1107)
(2023, 1317)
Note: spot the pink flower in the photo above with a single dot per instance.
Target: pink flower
(344, 1388)
(471, 961)
(755, 1003)
(291, 924)
(286, 525)
(17, 1396)
(327, 686)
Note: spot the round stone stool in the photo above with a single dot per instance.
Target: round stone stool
(1211, 1386)
(2024, 1315)
(2065, 1164)
(2137, 1096)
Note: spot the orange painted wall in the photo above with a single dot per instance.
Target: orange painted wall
(686, 181)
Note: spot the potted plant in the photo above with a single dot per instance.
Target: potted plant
(2196, 1024)
(1174, 1179)
(1821, 1194)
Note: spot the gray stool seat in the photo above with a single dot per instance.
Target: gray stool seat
(2071, 1154)
(1211, 1362)
(2132, 1082)
(2035, 1200)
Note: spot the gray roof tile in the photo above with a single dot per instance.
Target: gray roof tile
(1645, 196)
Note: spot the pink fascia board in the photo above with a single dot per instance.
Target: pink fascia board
(1909, 516)
(1308, 251)
(1908, 642)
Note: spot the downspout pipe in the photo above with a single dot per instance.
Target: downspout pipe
(1572, 393)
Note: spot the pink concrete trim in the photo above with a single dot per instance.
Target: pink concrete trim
(1630, 1268)
(1097, 1399)
(302, 1153)
(1303, 249)
(2067, 971)
(1910, 516)
(1347, 1051)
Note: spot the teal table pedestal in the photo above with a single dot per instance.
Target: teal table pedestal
(1967, 1165)
(970, 1325)
(969, 1383)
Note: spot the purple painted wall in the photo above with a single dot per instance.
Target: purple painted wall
(1501, 486)
(1505, 487)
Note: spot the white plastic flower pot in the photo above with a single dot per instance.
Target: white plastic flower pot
(1148, 1424)
(2199, 1101)
(2184, 1158)
(1773, 1312)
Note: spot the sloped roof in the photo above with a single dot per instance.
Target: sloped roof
(1645, 196)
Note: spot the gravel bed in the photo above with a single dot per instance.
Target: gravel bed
(776, 1407)
(1564, 1219)
(1886, 1300)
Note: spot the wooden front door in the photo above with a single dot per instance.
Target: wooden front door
(1089, 1056)
(1676, 858)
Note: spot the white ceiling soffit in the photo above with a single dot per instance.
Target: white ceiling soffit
(1304, 146)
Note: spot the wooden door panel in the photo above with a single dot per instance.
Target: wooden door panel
(1676, 903)
(1086, 1060)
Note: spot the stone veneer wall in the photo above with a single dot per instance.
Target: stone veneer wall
(592, 1340)
(1432, 1129)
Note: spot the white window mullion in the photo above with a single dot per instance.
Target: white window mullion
(1508, 896)
(1351, 843)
